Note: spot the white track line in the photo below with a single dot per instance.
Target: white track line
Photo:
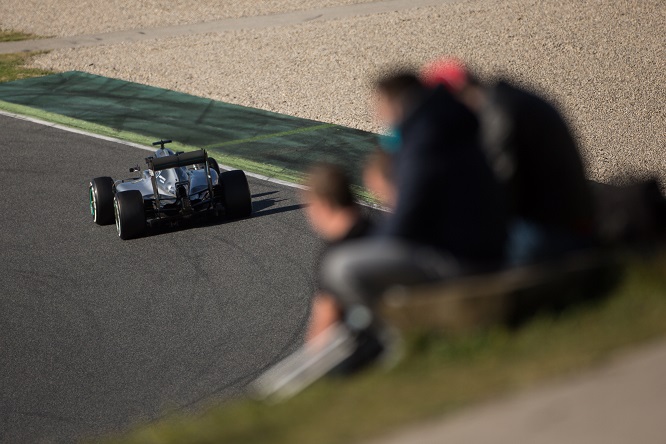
(143, 147)
(138, 145)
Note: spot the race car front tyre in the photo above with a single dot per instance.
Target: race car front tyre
(101, 200)
(130, 214)
(236, 194)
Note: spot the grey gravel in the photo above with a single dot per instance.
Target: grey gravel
(76, 17)
(602, 62)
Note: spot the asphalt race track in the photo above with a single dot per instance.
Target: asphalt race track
(98, 334)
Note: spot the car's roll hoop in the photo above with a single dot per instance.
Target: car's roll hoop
(161, 142)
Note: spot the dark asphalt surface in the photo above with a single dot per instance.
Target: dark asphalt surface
(99, 334)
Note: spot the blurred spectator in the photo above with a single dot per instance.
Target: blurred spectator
(533, 153)
(336, 217)
(449, 215)
(378, 178)
(631, 212)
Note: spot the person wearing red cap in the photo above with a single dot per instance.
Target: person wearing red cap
(448, 72)
(534, 155)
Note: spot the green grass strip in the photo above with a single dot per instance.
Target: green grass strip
(74, 123)
(12, 67)
(15, 36)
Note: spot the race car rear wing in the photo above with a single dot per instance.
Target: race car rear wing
(175, 161)
(178, 160)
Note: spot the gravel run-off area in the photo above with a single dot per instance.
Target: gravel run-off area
(603, 62)
(66, 18)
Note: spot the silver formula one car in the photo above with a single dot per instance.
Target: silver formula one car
(175, 186)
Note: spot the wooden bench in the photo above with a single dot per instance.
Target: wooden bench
(507, 297)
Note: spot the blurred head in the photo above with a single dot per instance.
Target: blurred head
(330, 205)
(395, 96)
(378, 177)
(452, 73)
(448, 72)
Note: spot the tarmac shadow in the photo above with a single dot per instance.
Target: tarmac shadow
(267, 193)
(278, 210)
(259, 205)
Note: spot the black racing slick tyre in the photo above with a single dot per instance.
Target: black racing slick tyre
(100, 193)
(130, 214)
(213, 165)
(236, 194)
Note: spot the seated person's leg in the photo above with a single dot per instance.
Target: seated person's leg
(360, 272)
(325, 312)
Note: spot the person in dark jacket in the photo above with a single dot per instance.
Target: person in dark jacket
(378, 177)
(449, 216)
(534, 155)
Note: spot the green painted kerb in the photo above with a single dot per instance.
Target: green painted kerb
(270, 136)
(267, 143)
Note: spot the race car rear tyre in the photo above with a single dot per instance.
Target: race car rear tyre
(130, 214)
(236, 194)
(213, 165)
(100, 193)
